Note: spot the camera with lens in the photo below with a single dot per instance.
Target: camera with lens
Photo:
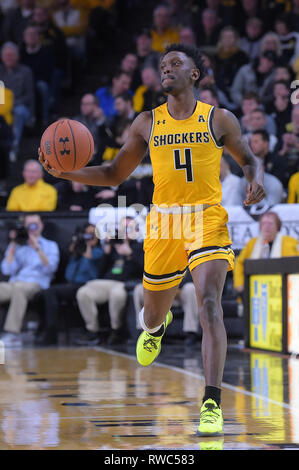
(20, 234)
(79, 240)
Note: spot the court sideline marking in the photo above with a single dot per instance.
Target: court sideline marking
(199, 377)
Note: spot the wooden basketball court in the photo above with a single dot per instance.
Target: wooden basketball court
(73, 398)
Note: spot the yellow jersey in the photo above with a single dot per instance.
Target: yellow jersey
(185, 158)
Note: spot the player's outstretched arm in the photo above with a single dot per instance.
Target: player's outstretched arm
(114, 173)
(227, 126)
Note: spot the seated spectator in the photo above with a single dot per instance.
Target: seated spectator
(228, 59)
(251, 102)
(73, 23)
(187, 36)
(41, 60)
(19, 79)
(257, 77)
(123, 261)
(5, 145)
(250, 43)
(16, 20)
(121, 83)
(145, 54)
(281, 107)
(209, 96)
(208, 30)
(163, 34)
(273, 186)
(246, 10)
(257, 121)
(117, 137)
(231, 186)
(75, 197)
(129, 65)
(271, 243)
(124, 108)
(288, 37)
(260, 145)
(83, 265)
(30, 261)
(289, 151)
(186, 298)
(34, 194)
(293, 189)
(92, 116)
(180, 13)
(150, 94)
(6, 105)
(270, 42)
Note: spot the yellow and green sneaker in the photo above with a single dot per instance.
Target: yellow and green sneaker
(148, 346)
(211, 421)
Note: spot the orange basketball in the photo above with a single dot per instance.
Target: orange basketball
(67, 145)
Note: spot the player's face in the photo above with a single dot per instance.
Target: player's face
(177, 72)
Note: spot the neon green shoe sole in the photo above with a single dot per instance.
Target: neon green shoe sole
(148, 346)
(211, 420)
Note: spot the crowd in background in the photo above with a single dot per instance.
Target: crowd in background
(251, 54)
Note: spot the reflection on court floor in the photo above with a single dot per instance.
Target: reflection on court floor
(68, 398)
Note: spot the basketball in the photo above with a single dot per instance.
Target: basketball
(67, 145)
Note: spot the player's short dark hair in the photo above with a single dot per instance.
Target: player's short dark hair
(194, 54)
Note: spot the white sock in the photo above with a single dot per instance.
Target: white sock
(143, 325)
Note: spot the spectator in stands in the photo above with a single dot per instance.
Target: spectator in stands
(145, 54)
(5, 145)
(257, 120)
(228, 59)
(293, 189)
(250, 43)
(150, 94)
(257, 77)
(75, 197)
(34, 194)
(248, 9)
(163, 33)
(129, 65)
(92, 116)
(122, 263)
(209, 96)
(289, 151)
(271, 243)
(270, 42)
(180, 13)
(259, 143)
(73, 23)
(30, 261)
(19, 79)
(208, 31)
(117, 137)
(281, 107)
(16, 20)
(187, 36)
(85, 256)
(41, 60)
(289, 38)
(121, 83)
(230, 184)
(251, 102)
(124, 107)
(186, 298)
(6, 105)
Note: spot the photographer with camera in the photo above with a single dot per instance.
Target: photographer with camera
(30, 261)
(83, 265)
(123, 262)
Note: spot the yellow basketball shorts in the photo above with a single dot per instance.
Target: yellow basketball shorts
(176, 241)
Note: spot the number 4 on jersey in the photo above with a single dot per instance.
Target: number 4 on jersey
(187, 166)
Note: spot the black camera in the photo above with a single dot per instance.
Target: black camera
(21, 237)
(79, 240)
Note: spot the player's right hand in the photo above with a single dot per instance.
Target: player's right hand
(47, 166)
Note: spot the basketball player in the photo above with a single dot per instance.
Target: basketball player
(186, 139)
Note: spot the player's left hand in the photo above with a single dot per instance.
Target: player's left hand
(255, 193)
(47, 166)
